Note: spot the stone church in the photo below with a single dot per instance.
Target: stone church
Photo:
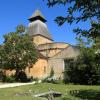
(54, 55)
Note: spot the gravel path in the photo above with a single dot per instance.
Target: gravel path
(7, 85)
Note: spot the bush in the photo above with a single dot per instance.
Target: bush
(52, 80)
(48, 80)
(29, 78)
(35, 79)
(9, 79)
(1, 75)
(85, 70)
(22, 77)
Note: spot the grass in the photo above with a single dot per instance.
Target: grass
(70, 92)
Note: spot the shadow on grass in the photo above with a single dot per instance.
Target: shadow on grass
(86, 94)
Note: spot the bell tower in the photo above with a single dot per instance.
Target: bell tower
(38, 29)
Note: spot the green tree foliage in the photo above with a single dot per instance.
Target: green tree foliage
(18, 51)
(86, 69)
(86, 9)
(81, 10)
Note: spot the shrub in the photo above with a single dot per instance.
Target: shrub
(35, 79)
(29, 78)
(85, 70)
(1, 75)
(48, 80)
(52, 72)
(52, 80)
(9, 79)
(22, 77)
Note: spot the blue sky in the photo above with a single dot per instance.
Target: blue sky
(15, 12)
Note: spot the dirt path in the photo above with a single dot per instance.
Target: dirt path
(7, 85)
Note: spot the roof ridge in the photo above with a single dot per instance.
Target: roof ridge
(61, 51)
(53, 43)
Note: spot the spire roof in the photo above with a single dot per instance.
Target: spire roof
(38, 25)
(37, 16)
(39, 28)
(37, 13)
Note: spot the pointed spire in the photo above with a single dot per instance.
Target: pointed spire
(37, 13)
(37, 16)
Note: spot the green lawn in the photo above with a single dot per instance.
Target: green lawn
(71, 92)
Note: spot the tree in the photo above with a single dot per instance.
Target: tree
(17, 51)
(85, 69)
(87, 9)
(88, 61)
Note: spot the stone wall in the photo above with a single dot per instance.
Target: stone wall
(50, 53)
(51, 49)
(58, 67)
(40, 40)
(57, 62)
(39, 69)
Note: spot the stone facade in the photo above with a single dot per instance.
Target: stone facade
(39, 69)
(38, 39)
(54, 53)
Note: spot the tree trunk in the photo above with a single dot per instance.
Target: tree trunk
(17, 74)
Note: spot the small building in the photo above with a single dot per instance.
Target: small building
(54, 55)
